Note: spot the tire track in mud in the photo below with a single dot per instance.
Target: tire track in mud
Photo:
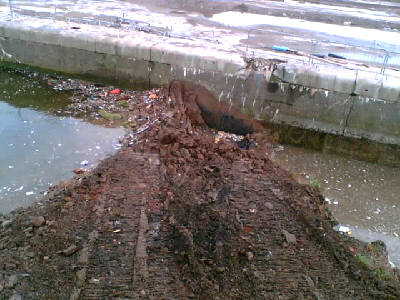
(108, 257)
(115, 261)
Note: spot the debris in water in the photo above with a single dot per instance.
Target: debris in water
(29, 193)
(84, 163)
(344, 229)
(377, 211)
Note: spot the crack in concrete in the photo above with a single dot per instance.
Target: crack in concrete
(347, 117)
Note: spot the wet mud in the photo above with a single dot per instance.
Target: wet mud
(183, 212)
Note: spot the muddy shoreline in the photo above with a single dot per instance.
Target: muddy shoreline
(182, 211)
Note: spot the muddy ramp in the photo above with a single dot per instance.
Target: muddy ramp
(181, 212)
(94, 241)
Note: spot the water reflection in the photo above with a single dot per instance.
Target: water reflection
(361, 195)
(38, 149)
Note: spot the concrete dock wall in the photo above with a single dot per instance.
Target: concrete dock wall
(320, 97)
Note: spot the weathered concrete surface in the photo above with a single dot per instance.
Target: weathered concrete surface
(325, 95)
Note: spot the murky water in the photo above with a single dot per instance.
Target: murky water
(39, 148)
(363, 196)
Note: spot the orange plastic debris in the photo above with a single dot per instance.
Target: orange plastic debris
(247, 229)
(79, 171)
(114, 92)
(152, 96)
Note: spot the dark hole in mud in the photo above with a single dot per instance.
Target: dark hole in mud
(245, 143)
(272, 87)
(204, 109)
(225, 122)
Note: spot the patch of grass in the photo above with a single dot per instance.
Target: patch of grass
(109, 116)
(365, 261)
(382, 274)
(316, 185)
(123, 103)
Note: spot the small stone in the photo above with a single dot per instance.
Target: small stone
(29, 229)
(290, 238)
(269, 205)
(70, 250)
(30, 254)
(143, 293)
(6, 223)
(37, 221)
(81, 275)
(84, 255)
(250, 255)
(50, 223)
(46, 258)
(11, 281)
(94, 281)
(221, 269)
(16, 297)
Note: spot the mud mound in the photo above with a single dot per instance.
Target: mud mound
(202, 108)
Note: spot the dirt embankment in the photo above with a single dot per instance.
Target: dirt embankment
(182, 212)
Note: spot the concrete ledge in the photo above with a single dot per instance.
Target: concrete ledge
(323, 98)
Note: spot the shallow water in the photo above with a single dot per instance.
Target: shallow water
(363, 196)
(39, 148)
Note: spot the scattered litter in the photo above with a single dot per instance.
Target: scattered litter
(11, 167)
(343, 229)
(247, 229)
(153, 96)
(79, 171)
(29, 193)
(84, 163)
(280, 48)
(392, 265)
(333, 55)
(94, 280)
(115, 91)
